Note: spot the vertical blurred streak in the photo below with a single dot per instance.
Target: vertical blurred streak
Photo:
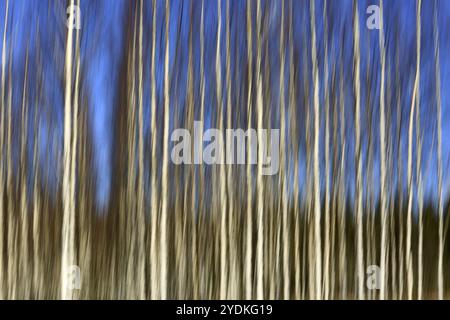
(177, 225)
(2, 162)
(272, 222)
(223, 226)
(131, 174)
(342, 188)
(37, 285)
(383, 195)
(85, 225)
(334, 174)
(201, 217)
(439, 156)
(165, 166)
(332, 145)
(75, 141)
(358, 161)
(179, 212)
(187, 176)
(260, 186)
(294, 140)
(399, 175)
(191, 116)
(23, 254)
(180, 174)
(391, 191)
(141, 172)
(154, 166)
(317, 231)
(249, 218)
(11, 243)
(282, 169)
(37, 253)
(46, 209)
(232, 232)
(409, 259)
(67, 244)
(419, 195)
(327, 244)
(307, 258)
(370, 203)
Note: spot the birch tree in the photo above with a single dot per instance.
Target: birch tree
(439, 158)
(327, 241)
(409, 262)
(383, 194)
(68, 249)
(283, 182)
(154, 166)
(358, 161)
(2, 162)
(317, 231)
(249, 215)
(140, 197)
(165, 167)
(259, 182)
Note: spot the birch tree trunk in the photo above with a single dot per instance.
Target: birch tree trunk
(260, 185)
(249, 214)
(130, 209)
(2, 162)
(222, 185)
(201, 217)
(295, 146)
(68, 214)
(439, 159)
(342, 188)
(409, 262)
(401, 261)
(317, 231)
(154, 274)
(419, 196)
(282, 176)
(141, 174)
(165, 167)
(383, 194)
(23, 253)
(358, 162)
(327, 241)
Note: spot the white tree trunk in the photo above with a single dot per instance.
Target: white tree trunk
(165, 166)
(317, 214)
(2, 162)
(68, 214)
(383, 194)
(409, 262)
(439, 158)
(249, 218)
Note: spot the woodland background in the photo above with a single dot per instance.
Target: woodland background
(85, 171)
